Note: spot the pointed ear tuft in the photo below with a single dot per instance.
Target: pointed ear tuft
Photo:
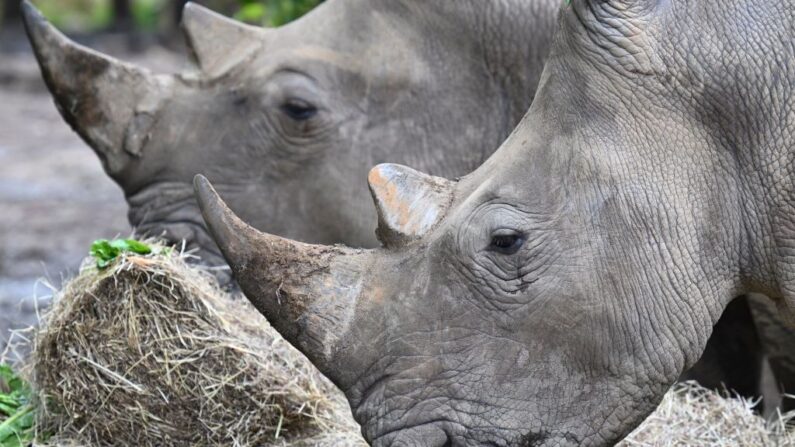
(409, 203)
(218, 43)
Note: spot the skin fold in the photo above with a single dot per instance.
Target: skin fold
(563, 286)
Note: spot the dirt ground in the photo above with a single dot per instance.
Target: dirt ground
(54, 197)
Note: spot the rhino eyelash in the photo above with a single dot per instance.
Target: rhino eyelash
(507, 242)
(299, 110)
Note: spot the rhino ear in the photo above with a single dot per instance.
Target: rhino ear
(217, 43)
(409, 203)
(109, 103)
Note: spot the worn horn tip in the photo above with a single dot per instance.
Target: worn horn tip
(189, 13)
(30, 13)
(196, 18)
(208, 198)
(225, 227)
(49, 44)
(191, 9)
(34, 20)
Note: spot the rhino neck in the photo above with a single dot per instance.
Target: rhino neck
(748, 136)
(509, 40)
(516, 46)
(514, 38)
(768, 205)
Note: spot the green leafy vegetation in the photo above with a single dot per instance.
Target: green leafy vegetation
(17, 412)
(105, 251)
(77, 15)
(273, 12)
(147, 15)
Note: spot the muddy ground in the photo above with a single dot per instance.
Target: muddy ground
(54, 197)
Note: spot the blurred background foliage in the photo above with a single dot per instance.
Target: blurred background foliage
(78, 15)
(86, 16)
(273, 12)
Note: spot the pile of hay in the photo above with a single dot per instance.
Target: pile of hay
(690, 415)
(151, 352)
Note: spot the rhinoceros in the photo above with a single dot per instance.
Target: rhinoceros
(288, 130)
(554, 294)
(288, 121)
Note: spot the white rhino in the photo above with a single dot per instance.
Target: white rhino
(552, 296)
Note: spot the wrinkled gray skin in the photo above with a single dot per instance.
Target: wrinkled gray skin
(429, 95)
(304, 178)
(551, 297)
(432, 84)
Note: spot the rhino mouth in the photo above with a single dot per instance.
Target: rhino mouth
(170, 211)
(426, 424)
(431, 434)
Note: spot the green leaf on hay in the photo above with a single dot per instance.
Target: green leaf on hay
(131, 245)
(105, 251)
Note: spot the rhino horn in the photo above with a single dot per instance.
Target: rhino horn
(218, 43)
(109, 103)
(309, 293)
(409, 203)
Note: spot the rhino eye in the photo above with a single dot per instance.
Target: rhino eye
(299, 110)
(506, 242)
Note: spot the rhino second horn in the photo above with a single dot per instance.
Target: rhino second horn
(409, 203)
(109, 103)
(308, 293)
(218, 43)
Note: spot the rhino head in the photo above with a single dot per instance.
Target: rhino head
(287, 122)
(553, 295)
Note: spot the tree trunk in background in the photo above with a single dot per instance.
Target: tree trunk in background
(168, 26)
(177, 11)
(10, 11)
(122, 16)
(13, 9)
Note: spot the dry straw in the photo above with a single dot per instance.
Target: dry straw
(151, 352)
(690, 415)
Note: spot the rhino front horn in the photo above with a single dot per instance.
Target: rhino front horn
(218, 43)
(109, 103)
(309, 293)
